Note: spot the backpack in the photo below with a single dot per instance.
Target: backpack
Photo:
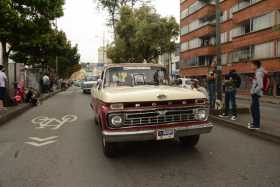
(266, 82)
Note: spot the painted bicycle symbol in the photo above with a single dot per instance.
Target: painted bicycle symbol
(53, 123)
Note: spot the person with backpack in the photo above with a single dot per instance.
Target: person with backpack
(231, 83)
(46, 83)
(260, 85)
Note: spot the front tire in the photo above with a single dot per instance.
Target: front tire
(109, 148)
(96, 121)
(190, 141)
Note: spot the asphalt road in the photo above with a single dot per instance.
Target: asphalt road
(71, 155)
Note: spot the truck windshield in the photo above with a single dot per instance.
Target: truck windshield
(134, 76)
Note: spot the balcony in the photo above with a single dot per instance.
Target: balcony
(194, 71)
(206, 30)
(255, 38)
(247, 9)
(201, 51)
(206, 11)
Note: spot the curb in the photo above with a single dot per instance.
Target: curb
(238, 127)
(262, 101)
(242, 110)
(23, 108)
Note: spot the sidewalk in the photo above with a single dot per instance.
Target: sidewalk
(270, 121)
(15, 111)
(264, 99)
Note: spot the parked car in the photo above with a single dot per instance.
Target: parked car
(88, 83)
(134, 102)
(77, 83)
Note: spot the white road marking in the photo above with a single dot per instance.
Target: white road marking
(40, 144)
(43, 139)
(53, 123)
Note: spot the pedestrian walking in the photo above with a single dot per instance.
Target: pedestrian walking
(211, 82)
(259, 83)
(3, 79)
(231, 83)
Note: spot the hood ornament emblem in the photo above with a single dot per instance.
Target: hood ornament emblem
(161, 96)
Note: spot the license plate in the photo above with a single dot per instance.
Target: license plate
(165, 134)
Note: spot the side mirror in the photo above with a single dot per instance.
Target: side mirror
(99, 84)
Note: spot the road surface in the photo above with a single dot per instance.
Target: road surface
(57, 144)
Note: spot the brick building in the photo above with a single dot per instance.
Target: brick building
(250, 29)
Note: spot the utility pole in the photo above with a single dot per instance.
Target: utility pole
(103, 47)
(218, 51)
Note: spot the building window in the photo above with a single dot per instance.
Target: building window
(264, 50)
(241, 54)
(232, 10)
(196, 6)
(224, 37)
(224, 16)
(184, 46)
(194, 25)
(224, 59)
(262, 22)
(184, 30)
(252, 25)
(184, 13)
(195, 43)
(245, 3)
(199, 61)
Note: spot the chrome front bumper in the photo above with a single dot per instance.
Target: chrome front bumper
(145, 135)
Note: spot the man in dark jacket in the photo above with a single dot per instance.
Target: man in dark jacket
(230, 87)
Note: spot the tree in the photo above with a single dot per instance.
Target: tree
(113, 7)
(142, 34)
(24, 21)
(52, 46)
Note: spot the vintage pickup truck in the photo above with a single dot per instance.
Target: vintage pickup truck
(135, 102)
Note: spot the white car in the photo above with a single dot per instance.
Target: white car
(88, 83)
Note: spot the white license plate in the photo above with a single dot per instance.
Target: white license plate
(165, 134)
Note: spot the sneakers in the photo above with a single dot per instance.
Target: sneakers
(250, 126)
(233, 118)
(223, 115)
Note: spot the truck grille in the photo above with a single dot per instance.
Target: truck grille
(154, 117)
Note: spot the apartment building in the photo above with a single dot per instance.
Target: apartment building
(250, 29)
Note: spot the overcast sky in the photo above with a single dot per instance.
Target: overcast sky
(84, 24)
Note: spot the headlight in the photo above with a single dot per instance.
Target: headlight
(116, 121)
(201, 114)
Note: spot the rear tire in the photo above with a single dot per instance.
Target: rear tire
(109, 148)
(190, 141)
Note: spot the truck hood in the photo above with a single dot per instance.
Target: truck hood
(147, 93)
